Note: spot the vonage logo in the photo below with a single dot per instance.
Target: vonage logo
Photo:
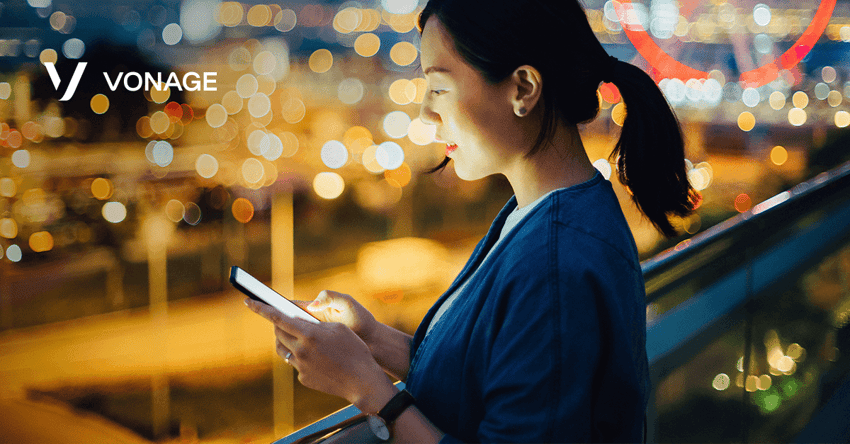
(134, 81)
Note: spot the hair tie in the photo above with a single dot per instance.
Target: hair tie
(609, 66)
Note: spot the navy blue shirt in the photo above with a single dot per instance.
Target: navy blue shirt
(548, 341)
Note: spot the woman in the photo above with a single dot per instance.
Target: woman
(541, 338)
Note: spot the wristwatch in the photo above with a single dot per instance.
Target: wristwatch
(379, 423)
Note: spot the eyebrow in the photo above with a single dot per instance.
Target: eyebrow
(436, 69)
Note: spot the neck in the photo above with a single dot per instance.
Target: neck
(561, 163)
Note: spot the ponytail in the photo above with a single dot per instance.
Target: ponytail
(651, 150)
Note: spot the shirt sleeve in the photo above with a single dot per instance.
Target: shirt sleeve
(543, 357)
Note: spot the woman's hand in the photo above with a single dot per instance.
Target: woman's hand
(389, 347)
(330, 306)
(329, 356)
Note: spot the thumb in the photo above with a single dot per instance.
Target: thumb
(321, 302)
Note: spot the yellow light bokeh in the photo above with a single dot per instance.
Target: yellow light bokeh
(421, 133)
(778, 155)
(746, 121)
(216, 115)
(347, 20)
(797, 116)
(777, 100)
(834, 98)
(399, 92)
(160, 122)
(367, 45)
(252, 170)
(160, 93)
(259, 15)
(48, 56)
(99, 103)
(403, 53)
(41, 241)
(230, 14)
(174, 210)
(206, 165)
(400, 176)
(243, 210)
(247, 86)
(321, 61)
(800, 99)
(842, 119)
(293, 110)
(618, 114)
(328, 185)
(8, 228)
(8, 188)
(101, 188)
(232, 102)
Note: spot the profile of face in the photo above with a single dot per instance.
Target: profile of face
(476, 119)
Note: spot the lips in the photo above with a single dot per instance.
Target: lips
(450, 147)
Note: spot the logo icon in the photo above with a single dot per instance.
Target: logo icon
(75, 79)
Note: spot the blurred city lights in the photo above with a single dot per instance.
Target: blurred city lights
(174, 210)
(367, 44)
(334, 154)
(8, 228)
(8, 188)
(800, 99)
(21, 158)
(778, 155)
(216, 115)
(618, 113)
(403, 53)
(721, 382)
(172, 34)
(73, 48)
(742, 202)
(396, 124)
(321, 61)
(114, 212)
(99, 103)
(746, 121)
(252, 170)
(389, 155)
(206, 166)
(101, 188)
(192, 214)
(797, 116)
(842, 119)
(421, 133)
(328, 185)
(242, 210)
(14, 253)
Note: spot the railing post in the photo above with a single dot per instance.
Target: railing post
(283, 270)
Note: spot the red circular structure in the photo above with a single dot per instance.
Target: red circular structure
(669, 67)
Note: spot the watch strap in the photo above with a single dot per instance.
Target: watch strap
(396, 405)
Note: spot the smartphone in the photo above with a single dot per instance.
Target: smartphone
(259, 291)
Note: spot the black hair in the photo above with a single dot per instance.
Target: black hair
(554, 36)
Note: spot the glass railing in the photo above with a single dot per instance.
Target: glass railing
(746, 324)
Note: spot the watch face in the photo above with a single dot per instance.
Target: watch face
(379, 427)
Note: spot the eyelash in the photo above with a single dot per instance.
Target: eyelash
(437, 92)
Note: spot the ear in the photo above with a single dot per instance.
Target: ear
(526, 87)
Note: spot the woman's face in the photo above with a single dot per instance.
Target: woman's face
(474, 118)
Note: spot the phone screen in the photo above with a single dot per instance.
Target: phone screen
(257, 290)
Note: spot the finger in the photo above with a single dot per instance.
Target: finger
(284, 353)
(330, 299)
(294, 326)
(289, 341)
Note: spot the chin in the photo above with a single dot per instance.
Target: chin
(468, 175)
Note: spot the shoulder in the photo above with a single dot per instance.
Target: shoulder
(577, 225)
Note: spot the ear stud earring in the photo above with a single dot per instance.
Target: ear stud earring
(521, 112)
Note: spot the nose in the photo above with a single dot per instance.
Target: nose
(427, 114)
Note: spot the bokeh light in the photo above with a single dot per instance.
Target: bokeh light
(778, 155)
(321, 61)
(21, 158)
(367, 44)
(252, 170)
(743, 203)
(14, 253)
(403, 53)
(206, 165)
(247, 86)
(746, 121)
(175, 210)
(350, 91)
(192, 214)
(8, 228)
(172, 34)
(421, 133)
(99, 103)
(389, 155)
(842, 119)
(797, 116)
(242, 210)
(396, 124)
(328, 185)
(604, 168)
(334, 154)
(216, 115)
(101, 188)
(114, 212)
